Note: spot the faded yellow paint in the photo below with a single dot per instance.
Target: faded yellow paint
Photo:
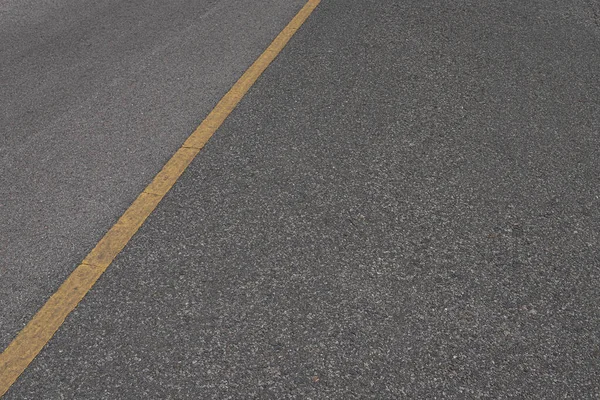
(172, 170)
(117, 237)
(226, 105)
(30, 341)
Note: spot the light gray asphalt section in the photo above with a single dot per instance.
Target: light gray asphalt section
(95, 96)
(406, 205)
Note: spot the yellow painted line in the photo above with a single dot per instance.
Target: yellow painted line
(30, 341)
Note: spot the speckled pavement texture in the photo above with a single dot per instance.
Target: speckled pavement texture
(405, 205)
(95, 97)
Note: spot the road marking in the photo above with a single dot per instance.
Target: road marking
(30, 341)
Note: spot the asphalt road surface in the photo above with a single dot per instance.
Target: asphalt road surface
(405, 205)
(95, 96)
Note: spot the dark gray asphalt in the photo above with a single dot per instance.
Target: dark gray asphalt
(95, 96)
(405, 205)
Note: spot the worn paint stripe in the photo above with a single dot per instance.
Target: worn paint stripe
(30, 341)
